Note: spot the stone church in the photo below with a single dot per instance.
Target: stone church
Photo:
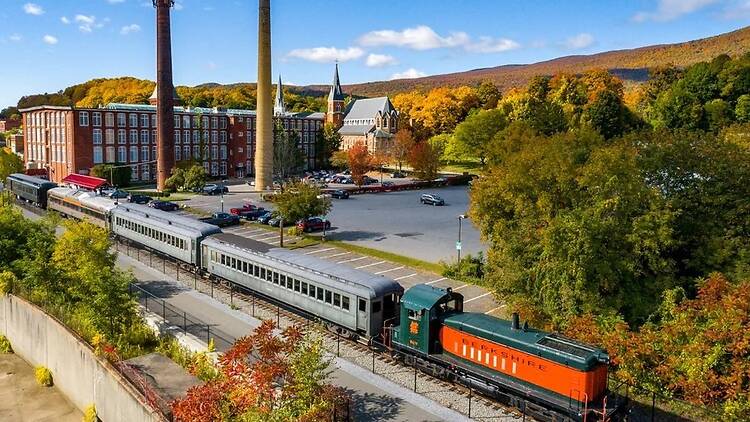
(371, 121)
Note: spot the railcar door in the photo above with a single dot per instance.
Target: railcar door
(362, 320)
(204, 255)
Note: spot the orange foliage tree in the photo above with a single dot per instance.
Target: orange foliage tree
(264, 377)
(360, 162)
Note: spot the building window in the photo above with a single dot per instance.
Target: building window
(186, 122)
(96, 119)
(196, 152)
(110, 154)
(177, 137)
(109, 136)
(196, 121)
(223, 123)
(153, 137)
(133, 120)
(186, 151)
(205, 153)
(214, 169)
(214, 137)
(153, 154)
(223, 155)
(120, 119)
(153, 120)
(122, 137)
(144, 120)
(144, 137)
(109, 119)
(98, 155)
(83, 118)
(177, 121)
(133, 136)
(133, 154)
(177, 153)
(186, 136)
(144, 154)
(204, 122)
(223, 137)
(145, 175)
(122, 155)
(214, 122)
(223, 170)
(97, 137)
(214, 152)
(205, 166)
(196, 137)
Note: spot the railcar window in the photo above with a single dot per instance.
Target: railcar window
(345, 302)
(268, 275)
(320, 294)
(282, 277)
(244, 267)
(304, 288)
(413, 314)
(362, 305)
(296, 286)
(256, 271)
(328, 296)
(276, 278)
(289, 283)
(337, 300)
(311, 292)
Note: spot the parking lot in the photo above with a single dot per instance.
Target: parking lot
(394, 221)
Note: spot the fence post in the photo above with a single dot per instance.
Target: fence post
(138, 254)
(208, 333)
(373, 360)
(163, 265)
(195, 281)
(146, 302)
(231, 294)
(415, 375)
(470, 394)
(212, 286)
(278, 316)
(253, 305)
(164, 310)
(653, 405)
(184, 322)
(178, 271)
(338, 344)
(150, 259)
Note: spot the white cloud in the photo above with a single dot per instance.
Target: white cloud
(49, 39)
(33, 9)
(178, 5)
(88, 23)
(579, 41)
(15, 37)
(65, 20)
(130, 29)
(418, 38)
(327, 54)
(668, 10)
(115, 1)
(492, 45)
(408, 74)
(738, 10)
(380, 60)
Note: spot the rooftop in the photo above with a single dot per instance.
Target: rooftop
(368, 108)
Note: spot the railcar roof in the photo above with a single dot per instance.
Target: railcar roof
(536, 342)
(36, 181)
(174, 222)
(85, 197)
(315, 269)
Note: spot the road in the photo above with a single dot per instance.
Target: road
(394, 221)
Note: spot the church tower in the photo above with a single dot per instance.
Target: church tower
(279, 108)
(336, 98)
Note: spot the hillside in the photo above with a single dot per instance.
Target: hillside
(630, 65)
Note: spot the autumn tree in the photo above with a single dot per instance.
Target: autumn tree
(340, 159)
(301, 200)
(402, 144)
(359, 162)
(9, 163)
(424, 159)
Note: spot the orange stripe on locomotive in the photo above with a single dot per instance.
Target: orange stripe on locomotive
(561, 379)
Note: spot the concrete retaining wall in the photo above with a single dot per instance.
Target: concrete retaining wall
(76, 370)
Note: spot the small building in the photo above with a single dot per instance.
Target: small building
(14, 142)
(7, 124)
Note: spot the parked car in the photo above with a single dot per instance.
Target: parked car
(398, 175)
(263, 218)
(387, 184)
(340, 194)
(163, 205)
(313, 224)
(139, 199)
(369, 180)
(441, 181)
(431, 199)
(244, 209)
(222, 219)
(276, 221)
(118, 194)
(214, 189)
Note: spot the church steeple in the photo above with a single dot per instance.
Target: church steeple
(336, 99)
(279, 108)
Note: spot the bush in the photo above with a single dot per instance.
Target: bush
(5, 346)
(90, 414)
(43, 376)
(470, 270)
(7, 281)
(152, 194)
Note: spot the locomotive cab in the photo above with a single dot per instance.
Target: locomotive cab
(422, 309)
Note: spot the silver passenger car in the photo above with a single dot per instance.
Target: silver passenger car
(356, 300)
(174, 235)
(81, 204)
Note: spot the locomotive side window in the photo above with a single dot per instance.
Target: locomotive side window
(362, 305)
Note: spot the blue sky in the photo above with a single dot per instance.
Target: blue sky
(50, 44)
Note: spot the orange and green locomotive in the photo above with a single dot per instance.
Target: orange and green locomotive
(554, 377)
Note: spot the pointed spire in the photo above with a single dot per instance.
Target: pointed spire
(279, 108)
(337, 94)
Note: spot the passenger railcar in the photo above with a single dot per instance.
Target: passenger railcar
(29, 188)
(174, 235)
(355, 300)
(81, 204)
(501, 357)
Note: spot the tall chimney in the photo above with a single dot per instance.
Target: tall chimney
(164, 94)
(264, 116)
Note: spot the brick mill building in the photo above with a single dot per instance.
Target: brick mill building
(67, 140)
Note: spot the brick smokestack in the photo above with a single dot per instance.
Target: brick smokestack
(164, 93)
(264, 120)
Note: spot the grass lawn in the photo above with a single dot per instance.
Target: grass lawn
(463, 166)
(388, 256)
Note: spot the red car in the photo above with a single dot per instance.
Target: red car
(246, 208)
(313, 224)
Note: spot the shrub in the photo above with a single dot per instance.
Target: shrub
(43, 376)
(7, 281)
(5, 346)
(470, 270)
(90, 414)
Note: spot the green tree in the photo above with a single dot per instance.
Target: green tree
(176, 180)
(607, 114)
(288, 158)
(328, 141)
(718, 114)
(195, 177)
(301, 200)
(742, 110)
(678, 108)
(117, 175)
(474, 135)
(9, 163)
(489, 95)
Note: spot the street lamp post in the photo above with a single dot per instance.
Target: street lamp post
(223, 185)
(324, 229)
(458, 244)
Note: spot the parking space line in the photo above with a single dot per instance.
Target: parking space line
(335, 255)
(406, 276)
(478, 297)
(493, 310)
(370, 265)
(460, 287)
(435, 281)
(261, 238)
(352, 260)
(387, 271)
(319, 250)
